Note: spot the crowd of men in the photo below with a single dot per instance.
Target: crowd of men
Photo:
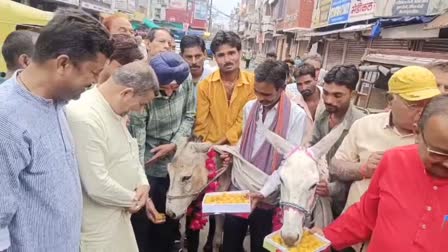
(91, 115)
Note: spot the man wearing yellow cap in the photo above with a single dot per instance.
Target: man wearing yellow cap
(356, 160)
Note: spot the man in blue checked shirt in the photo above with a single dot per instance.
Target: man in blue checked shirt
(40, 199)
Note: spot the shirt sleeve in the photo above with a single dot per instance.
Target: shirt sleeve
(203, 110)
(188, 118)
(142, 178)
(356, 225)
(92, 167)
(272, 184)
(14, 158)
(348, 150)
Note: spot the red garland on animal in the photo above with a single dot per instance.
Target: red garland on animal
(198, 219)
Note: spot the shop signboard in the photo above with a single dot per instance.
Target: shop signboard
(399, 8)
(339, 11)
(362, 10)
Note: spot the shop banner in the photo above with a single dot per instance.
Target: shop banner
(320, 14)
(178, 4)
(399, 8)
(200, 10)
(362, 10)
(339, 11)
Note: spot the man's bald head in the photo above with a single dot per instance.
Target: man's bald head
(137, 75)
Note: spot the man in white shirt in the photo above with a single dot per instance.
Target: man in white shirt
(308, 95)
(275, 110)
(113, 180)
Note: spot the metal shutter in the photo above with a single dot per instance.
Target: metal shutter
(355, 51)
(390, 44)
(435, 45)
(335, 53)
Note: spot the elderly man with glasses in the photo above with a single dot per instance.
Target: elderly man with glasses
(405, 206)
(359, 155)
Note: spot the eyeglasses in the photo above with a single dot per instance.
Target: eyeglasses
(412, 105)
(438, 155)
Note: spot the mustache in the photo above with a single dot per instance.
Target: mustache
(228, 64)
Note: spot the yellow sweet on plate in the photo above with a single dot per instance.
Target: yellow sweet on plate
(227, 198)
(308, 243)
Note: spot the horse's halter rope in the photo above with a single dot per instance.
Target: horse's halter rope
(297, 207)
(196, 194)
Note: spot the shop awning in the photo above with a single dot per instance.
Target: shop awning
(15, 13)
(150, 23)
(439, 22)
(354, 28)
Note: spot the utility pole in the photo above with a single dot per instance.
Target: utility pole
(210, 16)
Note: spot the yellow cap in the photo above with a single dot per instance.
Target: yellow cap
(414, 83)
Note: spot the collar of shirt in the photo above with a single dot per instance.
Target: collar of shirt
(349, 117)
(294, 94)
(388, 124)
(242, 79)
(106, 106)
(23, 91)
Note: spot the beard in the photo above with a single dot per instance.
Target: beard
(306, 93)
(331, 108)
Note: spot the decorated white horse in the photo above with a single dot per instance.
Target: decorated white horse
(301, 170)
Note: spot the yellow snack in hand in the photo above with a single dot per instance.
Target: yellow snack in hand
(308, 243)
(160, 217)
(227, 198)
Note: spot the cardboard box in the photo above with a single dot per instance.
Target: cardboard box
(226, 207)
(272, 246)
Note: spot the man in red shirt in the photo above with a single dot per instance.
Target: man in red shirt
(406, 207)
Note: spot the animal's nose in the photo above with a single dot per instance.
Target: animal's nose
(291, 240)
(171, 214)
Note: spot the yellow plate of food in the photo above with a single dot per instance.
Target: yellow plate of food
(308, 243)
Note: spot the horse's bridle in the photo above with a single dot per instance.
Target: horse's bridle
(298, 207)
(196, 194)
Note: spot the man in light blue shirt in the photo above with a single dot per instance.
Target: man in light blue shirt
(40, 200)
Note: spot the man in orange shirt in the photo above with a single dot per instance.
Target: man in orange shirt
(222, 96)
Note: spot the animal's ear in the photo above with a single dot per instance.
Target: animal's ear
(322, 147)
(201, 147)
(280, 144)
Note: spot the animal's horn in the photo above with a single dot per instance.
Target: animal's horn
(324, 145)
(280, 144)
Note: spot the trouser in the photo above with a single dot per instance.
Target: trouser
(192, 237)
(155, 237)
(235, 229)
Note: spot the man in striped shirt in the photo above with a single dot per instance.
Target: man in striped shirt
(40, 199)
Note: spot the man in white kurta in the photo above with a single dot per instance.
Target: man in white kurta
(110, 170)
